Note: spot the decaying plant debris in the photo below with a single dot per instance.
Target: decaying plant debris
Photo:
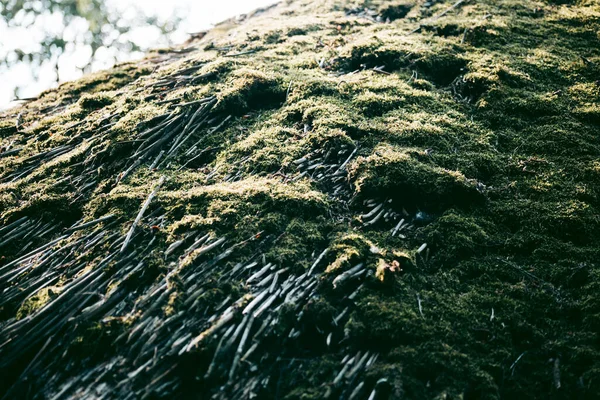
(324, 199)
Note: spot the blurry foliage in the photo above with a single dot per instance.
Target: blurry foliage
(106, 28)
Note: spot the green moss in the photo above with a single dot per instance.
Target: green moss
(36, 302)
(93, 102)
(251, 89)
(397, 174)
(8, 127)
(104, 81)
(457, 237)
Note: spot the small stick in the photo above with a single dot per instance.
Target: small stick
(13, 224)
(19, 121)
(209, 247)
(141, 213)
(198, 78)
(156, 160)
(317, 261)
(217, 352)
(266, 304)
(243, 53)
(33, 253)
(128, 170)
(341, 168)
(420, 305)
(446, 11)
(173, 247)
(255, 301)
(274, 282)
(11, 152)
(373, 212)
(374, 220)
(380, 70)
(397, 227)
(90, 223)
(356, 391)
(287, 93)
(260, 273)
(337, 319)
(199, 113)
(512, 367)
(240, 349)
(556, 373)
(216, 128)
(195, 158)
(345, 275)
(530, 275)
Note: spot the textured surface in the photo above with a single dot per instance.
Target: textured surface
(325, 198)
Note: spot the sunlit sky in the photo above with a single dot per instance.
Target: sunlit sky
(197, 15)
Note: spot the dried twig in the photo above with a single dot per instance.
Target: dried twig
(243, 53)
(90, 223)
(141, 213)
(419, 303)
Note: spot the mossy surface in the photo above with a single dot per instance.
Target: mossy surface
(480, 128)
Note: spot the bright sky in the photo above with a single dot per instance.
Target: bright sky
(197, 15)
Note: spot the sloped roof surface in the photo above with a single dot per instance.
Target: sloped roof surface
(323, 199)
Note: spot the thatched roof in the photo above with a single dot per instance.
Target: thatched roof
(323, 199)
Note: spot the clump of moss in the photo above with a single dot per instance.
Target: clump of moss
(7, 128)
(95, 101)
(455, 236)
(104, 81)
(388, 172)
(396, 11)
(36, 302)
(251, 89)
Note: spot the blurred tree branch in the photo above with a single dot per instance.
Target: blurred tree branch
(106, 28)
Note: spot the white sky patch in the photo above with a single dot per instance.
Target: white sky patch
(197, 16)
